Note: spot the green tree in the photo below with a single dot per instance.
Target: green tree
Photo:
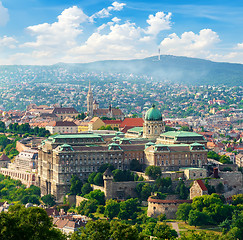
(97, 195)
(196, 235)
(183, 211)
(225, 159)
(163, 231)
(100, 209)
(94, 230)
(81, 116)
(76, 185)
(135, 165)
(182, 190)
(49, 200)
(149, 228)
(197, 218)
(146, 191)
(129, 209)
(162, 217)
(2, 127)
(27, 223)
(103, 167)
(98, 179)
(213, 155)
(91, 177)
(88, 206)
(121, 231)
(30, 199)
(237, 199)
(112, 208)
(86, 188)
(153, 171)
(185, 128)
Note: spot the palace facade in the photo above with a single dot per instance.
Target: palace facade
(64, 155)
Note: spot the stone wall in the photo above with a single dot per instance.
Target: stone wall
(122, 190)
(75, 199)
(96, 187)
(167, 207)
(79, 199)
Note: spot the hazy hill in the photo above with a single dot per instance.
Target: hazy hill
(184, 70)
(177, 69)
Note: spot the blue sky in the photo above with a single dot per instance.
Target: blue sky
(46, 31)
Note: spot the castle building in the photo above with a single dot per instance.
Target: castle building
(175, 156)
(64, 155)
(181, 137)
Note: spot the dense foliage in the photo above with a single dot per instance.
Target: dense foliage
(153, 171)
(223, 159)
(27, 223)
(26, 129)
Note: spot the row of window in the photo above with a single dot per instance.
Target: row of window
(172, 162)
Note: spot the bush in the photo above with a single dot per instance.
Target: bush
(153, 171)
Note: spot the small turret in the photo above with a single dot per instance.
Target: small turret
(108, 179)
(108, 175)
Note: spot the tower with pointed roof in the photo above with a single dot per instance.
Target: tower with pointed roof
(90, 100)
(153, 123)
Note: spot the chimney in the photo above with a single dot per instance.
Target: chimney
(215, 172)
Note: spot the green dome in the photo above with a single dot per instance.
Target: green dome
(153, 114)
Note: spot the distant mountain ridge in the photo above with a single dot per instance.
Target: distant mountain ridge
(183, 70)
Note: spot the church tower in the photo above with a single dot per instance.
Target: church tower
(90, 102)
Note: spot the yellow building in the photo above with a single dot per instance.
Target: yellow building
(83, 127)
(95, 124)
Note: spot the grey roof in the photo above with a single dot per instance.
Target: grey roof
(108, 172)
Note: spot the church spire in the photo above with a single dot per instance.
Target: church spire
(89, 87)
(90, 100)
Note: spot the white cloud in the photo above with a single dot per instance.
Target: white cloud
(61, 34)
(116, 20)
(4, 17)
(105, 12)
(121, 42)
(66, 41)
(158, 22)
(8, 42)
(190, 44)
(239, 46)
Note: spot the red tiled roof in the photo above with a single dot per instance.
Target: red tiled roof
(112, 121)
(132, 122)
(202, 185)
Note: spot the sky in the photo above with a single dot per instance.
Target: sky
(45, 32)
